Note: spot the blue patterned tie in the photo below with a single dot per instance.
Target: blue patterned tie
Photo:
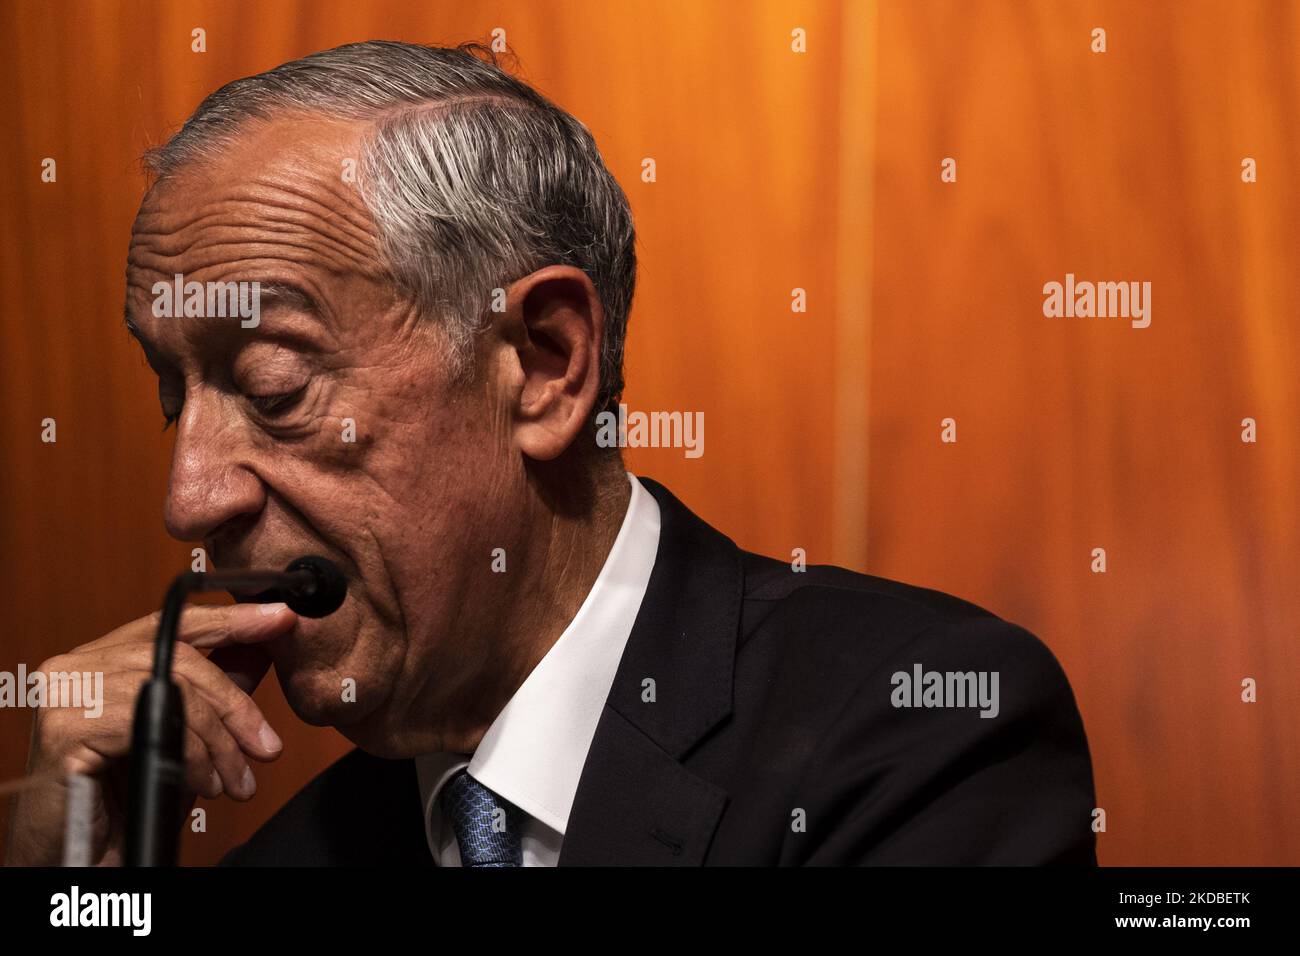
(471, 807)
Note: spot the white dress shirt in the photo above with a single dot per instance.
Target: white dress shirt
(533, 753)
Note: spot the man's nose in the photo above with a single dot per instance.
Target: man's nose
(211, 481)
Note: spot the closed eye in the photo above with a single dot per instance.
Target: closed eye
(270, 405)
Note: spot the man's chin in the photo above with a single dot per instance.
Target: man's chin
(319, 696)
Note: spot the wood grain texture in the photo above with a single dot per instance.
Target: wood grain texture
(1081, 433)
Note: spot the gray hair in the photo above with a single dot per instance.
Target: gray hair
(473, 177)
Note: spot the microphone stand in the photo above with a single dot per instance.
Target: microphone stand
(157, 779)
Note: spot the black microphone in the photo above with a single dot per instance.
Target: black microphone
(312, 586)
(319, 591)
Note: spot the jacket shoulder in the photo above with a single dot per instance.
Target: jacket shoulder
(919, 727)
(836, 628)
(839, 605)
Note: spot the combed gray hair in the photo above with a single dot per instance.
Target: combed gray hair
(473, 177)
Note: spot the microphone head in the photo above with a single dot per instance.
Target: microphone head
(325, 592)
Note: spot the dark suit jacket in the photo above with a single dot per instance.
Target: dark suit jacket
(772, 738)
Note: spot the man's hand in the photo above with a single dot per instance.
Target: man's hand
(223, 725)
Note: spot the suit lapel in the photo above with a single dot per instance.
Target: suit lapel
(636, 803)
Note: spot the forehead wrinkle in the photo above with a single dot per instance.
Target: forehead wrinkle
(224, 224)
(237, 257)
(345, 226)
(349, 209)
(260, 205)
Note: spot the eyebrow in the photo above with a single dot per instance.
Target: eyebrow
(269, 294)
(281, 293)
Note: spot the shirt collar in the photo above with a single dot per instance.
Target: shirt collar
(533, 753)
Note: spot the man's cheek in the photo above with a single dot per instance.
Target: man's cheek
(339, 441)
(335, 674)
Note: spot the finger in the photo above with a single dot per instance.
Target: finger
(84, 760)
(105, 740)
(207, 626)
(214, 759)
(200, 776)
(221, 753)
(236, 709)
(127, 667)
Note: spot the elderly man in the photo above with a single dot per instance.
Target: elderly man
(542, 659)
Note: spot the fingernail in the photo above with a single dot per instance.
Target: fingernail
(216, 782)
(274, 608)
(247, 785)
(269, 738)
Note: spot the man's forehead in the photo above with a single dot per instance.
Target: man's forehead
(276, 193)
(309, 156)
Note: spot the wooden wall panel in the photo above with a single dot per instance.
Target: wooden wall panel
(1081, 433)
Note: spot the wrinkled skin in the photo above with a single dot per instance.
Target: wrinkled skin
(441, 472)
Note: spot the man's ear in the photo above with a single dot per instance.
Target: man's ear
(554, 324)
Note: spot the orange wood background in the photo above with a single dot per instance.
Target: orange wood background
(818, 171)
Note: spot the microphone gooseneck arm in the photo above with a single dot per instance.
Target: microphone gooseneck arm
(194, 582)
(311, 586)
